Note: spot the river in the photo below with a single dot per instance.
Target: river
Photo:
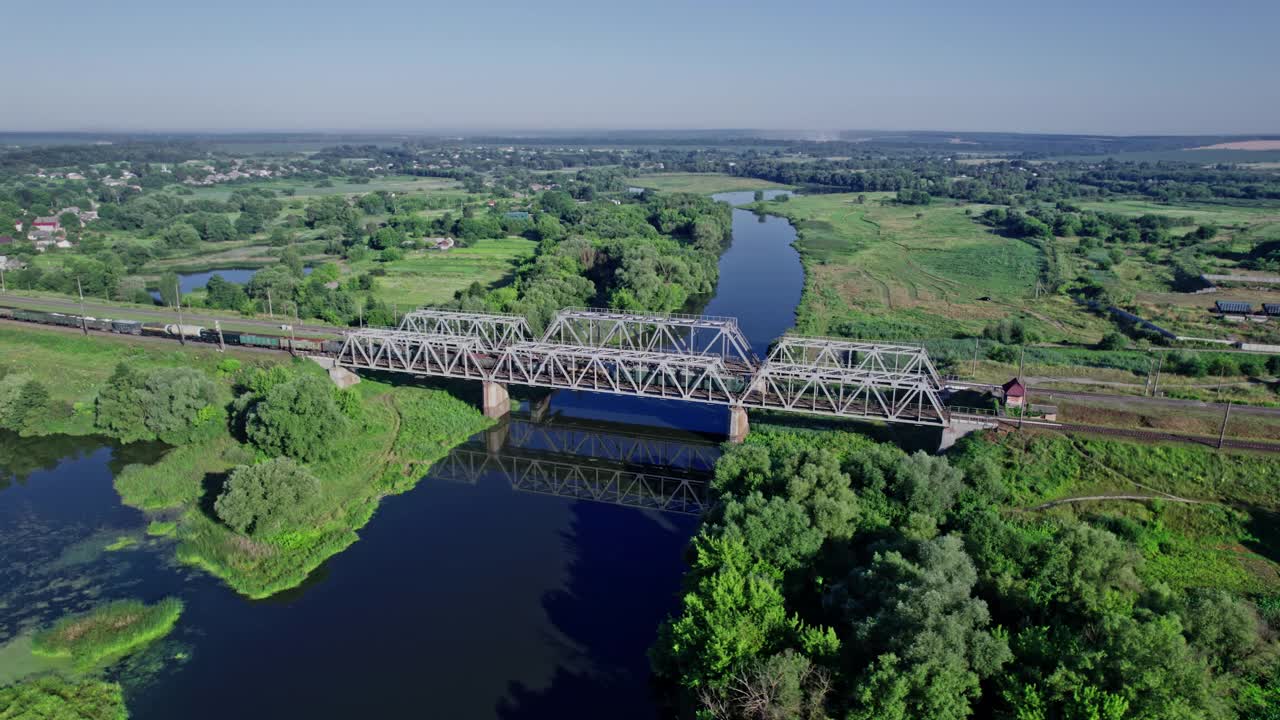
(512, 582)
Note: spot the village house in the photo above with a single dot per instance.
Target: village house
(1015, 393)
(441, 243)
(48, 224)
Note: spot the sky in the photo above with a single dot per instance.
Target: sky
(1117, 67)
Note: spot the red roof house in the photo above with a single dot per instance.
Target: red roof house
(1015, 393)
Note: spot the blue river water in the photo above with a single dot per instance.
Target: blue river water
(495, 592)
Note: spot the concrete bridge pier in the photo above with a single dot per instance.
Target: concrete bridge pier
(496, 403)
(738, 425)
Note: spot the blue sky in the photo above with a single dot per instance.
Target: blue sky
(1125, 66)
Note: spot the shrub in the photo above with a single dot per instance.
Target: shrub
(268, 499)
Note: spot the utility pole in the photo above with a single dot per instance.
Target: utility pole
(1155, 387)
(269, 313)
(1026, 390)
(84, 324)
(222, 346)
(2, 288)
(182, 335)
(293, 334)
(975, 358)
(395, 314)
(360, 311)
(1222, 434)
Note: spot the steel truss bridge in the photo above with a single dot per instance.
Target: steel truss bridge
(674, 357)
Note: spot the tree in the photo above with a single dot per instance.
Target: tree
(758, 196)
(180, 235)
(176, 402)
(267, 499)
(918, 614)
(732, 614)
(117, 409)
(169, 289)
(297, 418)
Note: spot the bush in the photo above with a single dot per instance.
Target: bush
(267, 499)
(296, 418)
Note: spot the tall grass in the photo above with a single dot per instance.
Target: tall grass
(107, 632)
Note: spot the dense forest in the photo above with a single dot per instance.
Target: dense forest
(838, 577)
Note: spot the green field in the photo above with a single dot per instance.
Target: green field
(916, 272)
(305, 187)
(429, 277)
(701, 183)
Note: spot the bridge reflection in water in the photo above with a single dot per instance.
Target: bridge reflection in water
(628, 465)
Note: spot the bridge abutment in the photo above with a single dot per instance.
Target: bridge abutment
(496, 403)
(738, 425)
(952, 433)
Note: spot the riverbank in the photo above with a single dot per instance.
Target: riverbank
(399, 431)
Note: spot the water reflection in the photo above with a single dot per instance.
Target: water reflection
(627, 465)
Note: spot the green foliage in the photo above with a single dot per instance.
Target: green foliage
(162, 528)
(54, 698)
(267, 499)
(169, 404)
(297, 418)
(108, 632)
(733, 613)
(937, 591)
(24, 401)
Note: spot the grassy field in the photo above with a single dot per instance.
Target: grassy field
(1210, 522)
(74, 367)
(701, 183)
(428, 277)
(307, 187)
(917, 272)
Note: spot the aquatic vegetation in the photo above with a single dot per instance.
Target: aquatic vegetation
(177, 478)
(162, 528)
(123, 542)
(107, 632)
(54, 697)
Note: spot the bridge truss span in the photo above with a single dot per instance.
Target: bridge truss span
(692, 335)
(413, 352)
(492, 331)
(618, 371)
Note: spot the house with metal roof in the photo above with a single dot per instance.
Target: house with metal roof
(1232, 307)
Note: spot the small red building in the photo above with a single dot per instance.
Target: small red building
(1015, 393)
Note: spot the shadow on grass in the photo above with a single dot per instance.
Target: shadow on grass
(210, 488)
(1264, 526)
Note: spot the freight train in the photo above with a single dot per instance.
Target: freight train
(195, 333)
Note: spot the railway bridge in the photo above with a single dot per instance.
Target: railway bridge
(692, 358)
